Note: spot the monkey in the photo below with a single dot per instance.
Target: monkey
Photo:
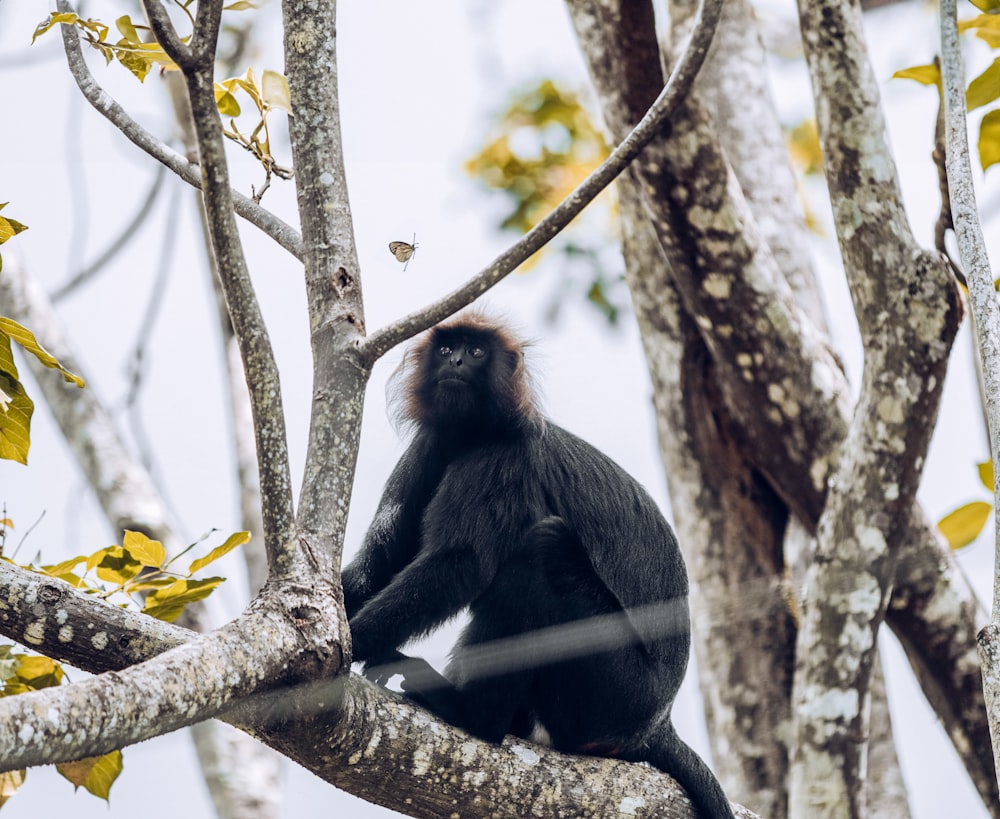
(579, 628)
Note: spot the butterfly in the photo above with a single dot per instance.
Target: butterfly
(403, 251)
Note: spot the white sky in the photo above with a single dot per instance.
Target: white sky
(417, 84)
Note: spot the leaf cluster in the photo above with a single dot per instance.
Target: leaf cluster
(137, 50)
(139, 570)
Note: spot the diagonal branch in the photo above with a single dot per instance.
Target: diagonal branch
(674, 92)
(248, 322)
(282, 233)
(341, 729)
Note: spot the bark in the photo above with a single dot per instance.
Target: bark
(767, 355)
(908, 311)
(730, 524)
(972, 250)
(347, 731)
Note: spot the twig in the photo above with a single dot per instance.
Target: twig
(125, 235)
(190, 172)
(676, 89)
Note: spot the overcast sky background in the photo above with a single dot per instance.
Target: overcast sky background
(418, 84)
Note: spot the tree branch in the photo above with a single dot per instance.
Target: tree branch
(248, 323)
(765, 354)
(670, 99)
(333, 282)
(349, 732)
(908, 311)
(983, 297)
(282, 233)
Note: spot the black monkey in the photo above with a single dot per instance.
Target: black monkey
(579, 630)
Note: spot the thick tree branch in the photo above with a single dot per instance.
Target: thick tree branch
(282, 233)
(332, 277)
(982, 294)
(351, 733)
(671, 98)
(182, 686)
(908, 311)
(767, 355)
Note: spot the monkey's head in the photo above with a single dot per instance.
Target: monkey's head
(467, 375)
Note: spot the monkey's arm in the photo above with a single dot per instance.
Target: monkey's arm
(393, 537)
(436, 585)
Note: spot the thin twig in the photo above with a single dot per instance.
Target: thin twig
(676, 89)
(142, 212)
(971, 245)
(284, 234)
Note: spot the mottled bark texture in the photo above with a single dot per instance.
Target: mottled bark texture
(982, 295)
(779, 387)
(908, 311)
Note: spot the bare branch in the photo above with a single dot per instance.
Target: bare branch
(909, 311)
(282, 233)
(332, 279)
(674, 92)
(983, 298)
(248, 323)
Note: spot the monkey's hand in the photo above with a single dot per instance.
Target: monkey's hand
(381, 670)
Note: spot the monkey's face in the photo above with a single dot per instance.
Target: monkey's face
(457, 377)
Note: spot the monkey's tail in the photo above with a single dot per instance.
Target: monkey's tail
(672, 755)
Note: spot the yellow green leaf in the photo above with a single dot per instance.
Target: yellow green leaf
(234, 540)
(60, 569)
(16, 408)
(274, 90)
(138, 63)
(924, 74)
(95, 773)
(986, 474)
(24, 337)
(167, 604)
(989, 139)
(963, 526)
(986, 27)
(227, 104)
(148, 552)
(986, 5)
(9, 228)
(116, 566)
(9, 783)
(39, 672)
(985, 88)
(240, 5)
(126, 28)
(53, 20)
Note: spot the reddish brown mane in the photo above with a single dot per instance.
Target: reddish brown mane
(516, 393)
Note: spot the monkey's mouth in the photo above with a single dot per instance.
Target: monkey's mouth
(452, 379)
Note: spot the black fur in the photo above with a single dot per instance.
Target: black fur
(575, 584)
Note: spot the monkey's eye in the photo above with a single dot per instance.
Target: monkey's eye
(477, 352)
(443, 351)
